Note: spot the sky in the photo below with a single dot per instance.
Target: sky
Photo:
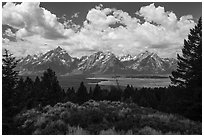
(83, 28)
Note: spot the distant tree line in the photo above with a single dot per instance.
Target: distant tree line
(184, 97)
(186, 102)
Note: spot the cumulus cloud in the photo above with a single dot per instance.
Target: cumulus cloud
(158, 15)
(31, 19)
(161, 31)
(167, 19)
(30, 45)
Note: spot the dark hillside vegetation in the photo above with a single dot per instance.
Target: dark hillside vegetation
(102, 117)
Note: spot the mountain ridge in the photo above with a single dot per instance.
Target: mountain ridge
(97, 63)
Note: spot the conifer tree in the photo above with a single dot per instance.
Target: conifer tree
(29, 96)
(127, 92)
(29, 84)
(115, 94)
(9, 78)
(20, 94)
(20, 84)
(82, 94)
(9, 81)
(50, 88)
(37, 91)
(189, 68)
(90, 93)
(71, 95)
(9, 75)
(37, 81)
(97, 92)
(37, 87)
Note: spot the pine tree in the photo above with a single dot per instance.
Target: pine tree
(189, 68)
(82, 94)
(127, 92)
(115, 94)
(9, 81)
(71, 95)
(37, 87)
(20, 84)
(97, 93)
(29, 96)
(9, 75)
(90, 93)
(37, 81)
(29, 84)
(20, 94)
(37, 91)
(50, 88)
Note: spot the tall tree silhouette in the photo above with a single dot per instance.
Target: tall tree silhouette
(82, 94)
(29, 85)
(21, 94)
(189, 68)
(115, 94)
(9, 81)
(97, 93)
(71, 95)
(50, 88)
(37, 90)
(9, 75)
(128, 92)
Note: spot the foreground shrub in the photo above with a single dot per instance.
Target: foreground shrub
(102, 117)
(149, 131)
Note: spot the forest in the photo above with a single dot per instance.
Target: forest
(42, 106)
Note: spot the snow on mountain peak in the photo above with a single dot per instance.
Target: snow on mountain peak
(99, 62)
(127, 57)
(143, 55)
(58, 48)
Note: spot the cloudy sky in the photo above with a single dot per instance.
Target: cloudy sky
(85, 28)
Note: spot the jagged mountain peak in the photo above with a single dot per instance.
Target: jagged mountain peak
(28, 56)
(149, 62)
(58, 59)
(58, 48)
(127, 57)
(57, 53)
(101, 62)
(99, 53)
(145, 53)
(83, 57)
(102, 55)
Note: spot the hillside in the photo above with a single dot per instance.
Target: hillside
(103, 117)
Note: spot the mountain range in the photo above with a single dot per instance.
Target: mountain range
(98, 63)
